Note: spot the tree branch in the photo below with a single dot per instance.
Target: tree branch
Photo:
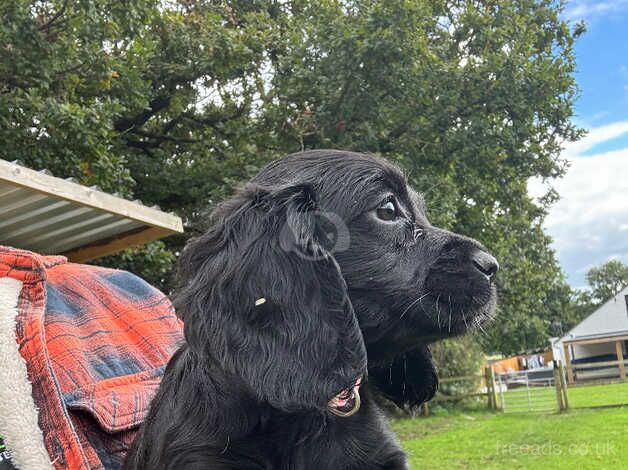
(51, 22)
(128, 124)
(160, 138)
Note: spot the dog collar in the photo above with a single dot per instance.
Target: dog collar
(347, 402)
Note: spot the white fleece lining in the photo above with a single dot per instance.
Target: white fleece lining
(18, 414)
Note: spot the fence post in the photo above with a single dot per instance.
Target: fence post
(488, 388)
(620, 359)
(563, 386)
(570, 375)
(559, 386)
(493, 390)
(489, 378)
(528, 391)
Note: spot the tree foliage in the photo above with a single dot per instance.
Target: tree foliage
(604, 281)
(458, 357)
(177, 102)
(607, 280)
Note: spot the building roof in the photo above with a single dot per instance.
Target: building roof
(610, 320)
(51, 215)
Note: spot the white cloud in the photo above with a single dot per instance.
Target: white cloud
(590, 221)
(589, 9)
(595, 137)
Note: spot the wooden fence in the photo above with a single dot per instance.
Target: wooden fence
(487, 390)
(572, 369)
(490, 390)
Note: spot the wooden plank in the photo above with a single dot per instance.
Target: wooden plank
(489, 395)
(461, 378)
(619, 347)
(607, 339)
(558, 385)
(493, 390)
(563, 386)
(596, 381)
(67, 190)
(114, 245)
(438, 398)
(594, 365)
(568, 364)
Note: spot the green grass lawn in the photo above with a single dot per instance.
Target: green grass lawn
(598, 395)
(579, 439)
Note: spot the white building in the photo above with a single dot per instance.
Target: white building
(600, 338)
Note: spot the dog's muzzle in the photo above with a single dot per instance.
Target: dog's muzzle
(347, 402)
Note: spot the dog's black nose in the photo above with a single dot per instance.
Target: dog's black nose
(485, 263)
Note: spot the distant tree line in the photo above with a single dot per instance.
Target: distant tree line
(176, 103)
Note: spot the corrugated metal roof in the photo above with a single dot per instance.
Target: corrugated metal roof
(50, 215)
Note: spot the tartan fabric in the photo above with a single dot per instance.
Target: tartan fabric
(96, 342)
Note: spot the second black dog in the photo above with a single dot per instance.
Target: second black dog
(325, 258)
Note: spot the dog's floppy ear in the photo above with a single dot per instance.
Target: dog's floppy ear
(409, 379)
(265, 299)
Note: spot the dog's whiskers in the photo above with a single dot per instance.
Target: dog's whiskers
(450, 311)
(226, 445)
(477, 323)
(436, 304)
(429, 313)
(449, 327)
(412, 305)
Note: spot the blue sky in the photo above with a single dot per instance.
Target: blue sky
(590, 222)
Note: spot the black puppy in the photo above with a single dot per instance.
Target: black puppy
(324, 258)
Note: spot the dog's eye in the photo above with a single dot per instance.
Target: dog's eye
(388, 211)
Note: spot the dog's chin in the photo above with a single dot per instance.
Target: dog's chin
(449, 317)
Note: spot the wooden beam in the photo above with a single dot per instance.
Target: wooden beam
(570, 378)
(619, 347)
(58, 188)
(438, 397)
(489, 395)
(563, 386)
(557, 386)
(116, 244)
(461, 377)
(493, 390)
(607, 339)
(595, 365)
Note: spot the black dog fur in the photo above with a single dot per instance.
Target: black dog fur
(344, 275)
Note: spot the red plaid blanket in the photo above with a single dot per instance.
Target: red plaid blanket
(95, 342)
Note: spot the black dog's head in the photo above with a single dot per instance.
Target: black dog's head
(410, 283)
(265, 300)
(319, 235)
